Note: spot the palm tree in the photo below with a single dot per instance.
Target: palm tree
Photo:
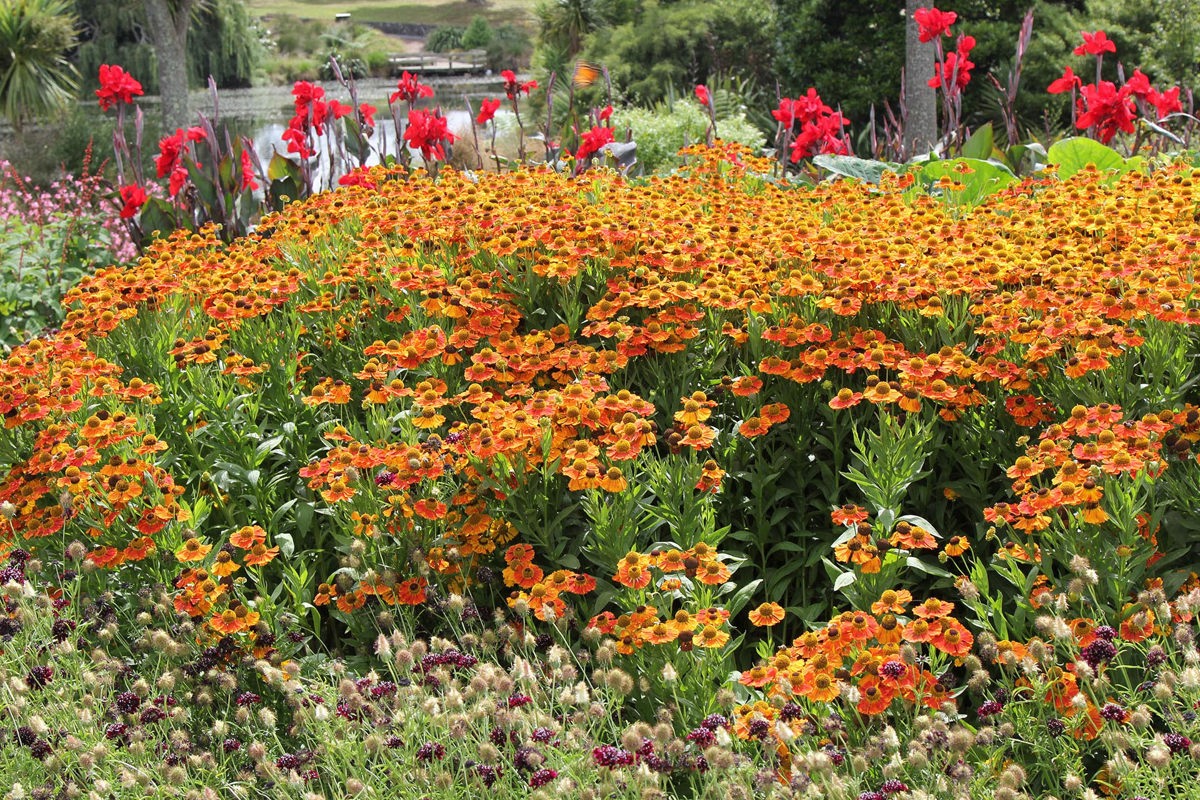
(36, 78)
(565, 23)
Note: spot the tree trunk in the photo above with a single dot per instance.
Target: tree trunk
(167, 23)
(920, 101)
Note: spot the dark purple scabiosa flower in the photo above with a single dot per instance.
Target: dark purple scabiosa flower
(39, 676)
(488, 774)
(1177, 743)
(714, 721)
(61, 629)
(231, 745)
(758, 728)
(893, 787)
(116, 731)
(1100, 651)
(1113, 712)
(25, 736)
(522, 758)
(658, 764)
(498, 737)
(542, 735)
(1056, 727)
(837, 757)
(542, 777)
(289, 761)
(990, 708)
(127, 702)
(151, 715)
(892, 669)
(1155, 656)
(518, 700)
(393, 742)
(702, 737)
(40, 749)
(870, 796)
(791, 712)
(1106, 632)
(610, 756)
(248, 699)
(431, 751)
(384, 689)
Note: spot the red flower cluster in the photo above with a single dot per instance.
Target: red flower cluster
(821, 128)
(428, 133)
(133, 197)
(932, 23)
(116, 86)
(511, 87)
(410, 90)
(593, 141)
(954, 73)
(169, 160)
(487, 110)
(1104, 107)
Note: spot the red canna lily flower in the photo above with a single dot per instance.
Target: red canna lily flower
(932, 23)
(703, 96)
(133, 197)
(116, 86)
(1095, 44)
(1066, 83)
(409, 89)
(487, 110)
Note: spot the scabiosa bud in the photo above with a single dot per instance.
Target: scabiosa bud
(542, 777)
(431, 751)
(1155, 656)
(39, 676)
(127, 702)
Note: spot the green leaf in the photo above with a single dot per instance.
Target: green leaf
(844, 580)
(280, 168)
(157, 218)
(287, 545)
(978, 178)
(1075, 154)
(865, 170)
(980, 144)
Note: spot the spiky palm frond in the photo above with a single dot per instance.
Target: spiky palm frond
(35, 76)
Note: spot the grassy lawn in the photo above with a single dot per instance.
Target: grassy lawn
(426, 12)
